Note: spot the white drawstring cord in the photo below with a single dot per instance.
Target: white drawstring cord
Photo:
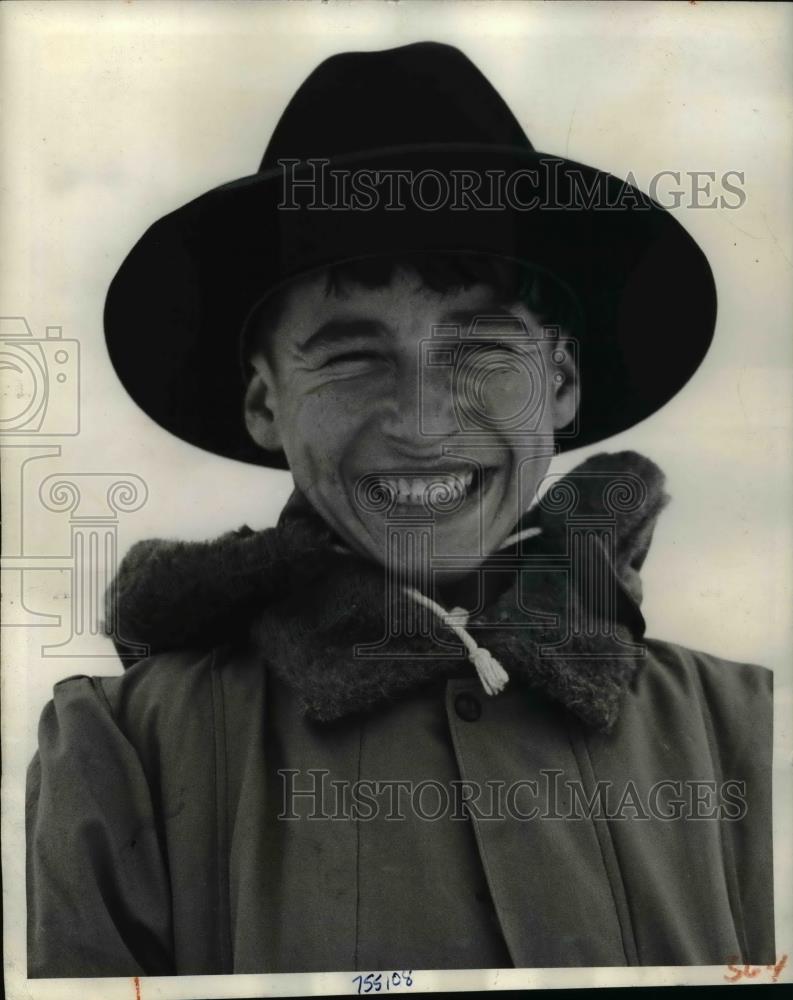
(519, 536)
(492, 676)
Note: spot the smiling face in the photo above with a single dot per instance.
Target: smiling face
(442, 403)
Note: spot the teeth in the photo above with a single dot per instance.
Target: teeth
(414, 490)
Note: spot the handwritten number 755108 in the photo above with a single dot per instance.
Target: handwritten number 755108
(382, 982)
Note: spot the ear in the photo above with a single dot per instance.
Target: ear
(260, 412)
(565, 384)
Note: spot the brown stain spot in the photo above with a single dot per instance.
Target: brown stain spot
(136, 983)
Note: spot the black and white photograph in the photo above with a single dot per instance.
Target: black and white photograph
(396, 412)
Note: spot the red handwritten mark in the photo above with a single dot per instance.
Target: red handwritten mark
(136, 981)
(751, 971)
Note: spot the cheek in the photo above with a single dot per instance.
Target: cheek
(530, 473)
(322, 424)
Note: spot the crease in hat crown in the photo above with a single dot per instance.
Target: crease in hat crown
(422, 94)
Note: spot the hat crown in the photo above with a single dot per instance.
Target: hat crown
(424, 93)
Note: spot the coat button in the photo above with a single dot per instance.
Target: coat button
(467, 706)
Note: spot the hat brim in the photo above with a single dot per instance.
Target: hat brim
(176, 307)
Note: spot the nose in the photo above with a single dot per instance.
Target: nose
(421, 407)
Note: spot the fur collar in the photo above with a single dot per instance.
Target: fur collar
(309, 606)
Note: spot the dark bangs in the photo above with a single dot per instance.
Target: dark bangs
(513, 281)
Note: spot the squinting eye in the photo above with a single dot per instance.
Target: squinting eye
(351, 357)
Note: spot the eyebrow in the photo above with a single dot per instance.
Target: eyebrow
(337, 331)
(341, 330)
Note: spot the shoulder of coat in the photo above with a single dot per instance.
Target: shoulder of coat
(179, 685)
(729, 683)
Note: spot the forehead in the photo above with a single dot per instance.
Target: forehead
(403, 308)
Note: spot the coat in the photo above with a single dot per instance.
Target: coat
(254, 797)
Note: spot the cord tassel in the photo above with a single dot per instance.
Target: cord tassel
(492, 676)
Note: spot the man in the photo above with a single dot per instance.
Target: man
(418, 723)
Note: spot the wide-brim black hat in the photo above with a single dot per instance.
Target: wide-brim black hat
(329, 190)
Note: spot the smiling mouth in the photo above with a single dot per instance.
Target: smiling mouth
(444, 489)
